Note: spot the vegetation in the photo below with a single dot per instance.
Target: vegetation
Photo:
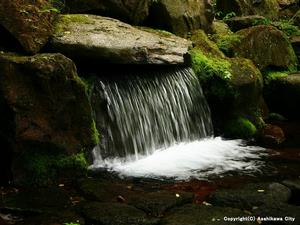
(273, 75)
(241, 128)
(226, 43)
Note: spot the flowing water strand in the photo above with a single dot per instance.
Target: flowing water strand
(155, 111)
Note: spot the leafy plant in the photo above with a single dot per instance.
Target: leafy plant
(229, 15)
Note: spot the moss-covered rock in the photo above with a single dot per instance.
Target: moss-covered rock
(266, 8)
(240, 128)
(181, 17)
(50, 115)
(282, 93)
(267, 47)
(233, 87)
(134, 11)
(30, 22)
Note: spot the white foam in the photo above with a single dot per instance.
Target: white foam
(211, 156)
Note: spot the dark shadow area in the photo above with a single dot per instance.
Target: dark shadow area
(8, 42)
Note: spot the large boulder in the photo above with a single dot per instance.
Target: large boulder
(267, 47)
(46, 114)
(96, 38)
(266, 8)
(241, 22)
(30, 22)
(181, 17)
(131, 11)
(282, 93)
(232, 86)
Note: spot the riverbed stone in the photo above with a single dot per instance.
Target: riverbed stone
(47, 115)
(115, 213)
(271, 135)
(192, 214)
(267, 47)
(181, 17)
(30, 22)
(251, 195)
(131, 11)
(102, 39)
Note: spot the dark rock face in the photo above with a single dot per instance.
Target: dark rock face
(30, 22)
(181, 17)
(283, 94)
(267, 47)
(266, 8)
(96, 38)
(115, 213)
(46, 108)
(242, 22)
(131, 11)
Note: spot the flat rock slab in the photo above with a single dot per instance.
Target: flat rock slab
(102, 39)
(251, 196)
(115, 214)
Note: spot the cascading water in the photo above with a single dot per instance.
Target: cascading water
(158, 124)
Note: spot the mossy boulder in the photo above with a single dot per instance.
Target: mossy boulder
(233, 87)
(47, 113)
(30, 22)
(267, 47)
(282, 93)
(266, 8)
(181, 17)
(90, 38)
(134, 11)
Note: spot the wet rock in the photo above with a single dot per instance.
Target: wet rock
(282, 93)
(156, 203)
(48, 115)
(266, 46)
(115, 213)
(242, 22)
(181, 17)
(289, 213)
(205, 215)
(30, 22)
(101, 39)
(131, 11)
(292, 184)
(266, 8)
(106, 191)
(59, 218)
(42, 200)
(272, 135)
(252, 195)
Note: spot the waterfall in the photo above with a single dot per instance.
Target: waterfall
(154, 110)
(157, 120)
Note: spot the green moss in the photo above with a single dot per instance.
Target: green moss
(64, 21)
(88, 84)
(273, 75)
(95, 133)
(211, 65)
(202, 42)
(226, 43)
(44, 168)
(240, 128)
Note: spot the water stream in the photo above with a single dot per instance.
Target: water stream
(159, 125)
